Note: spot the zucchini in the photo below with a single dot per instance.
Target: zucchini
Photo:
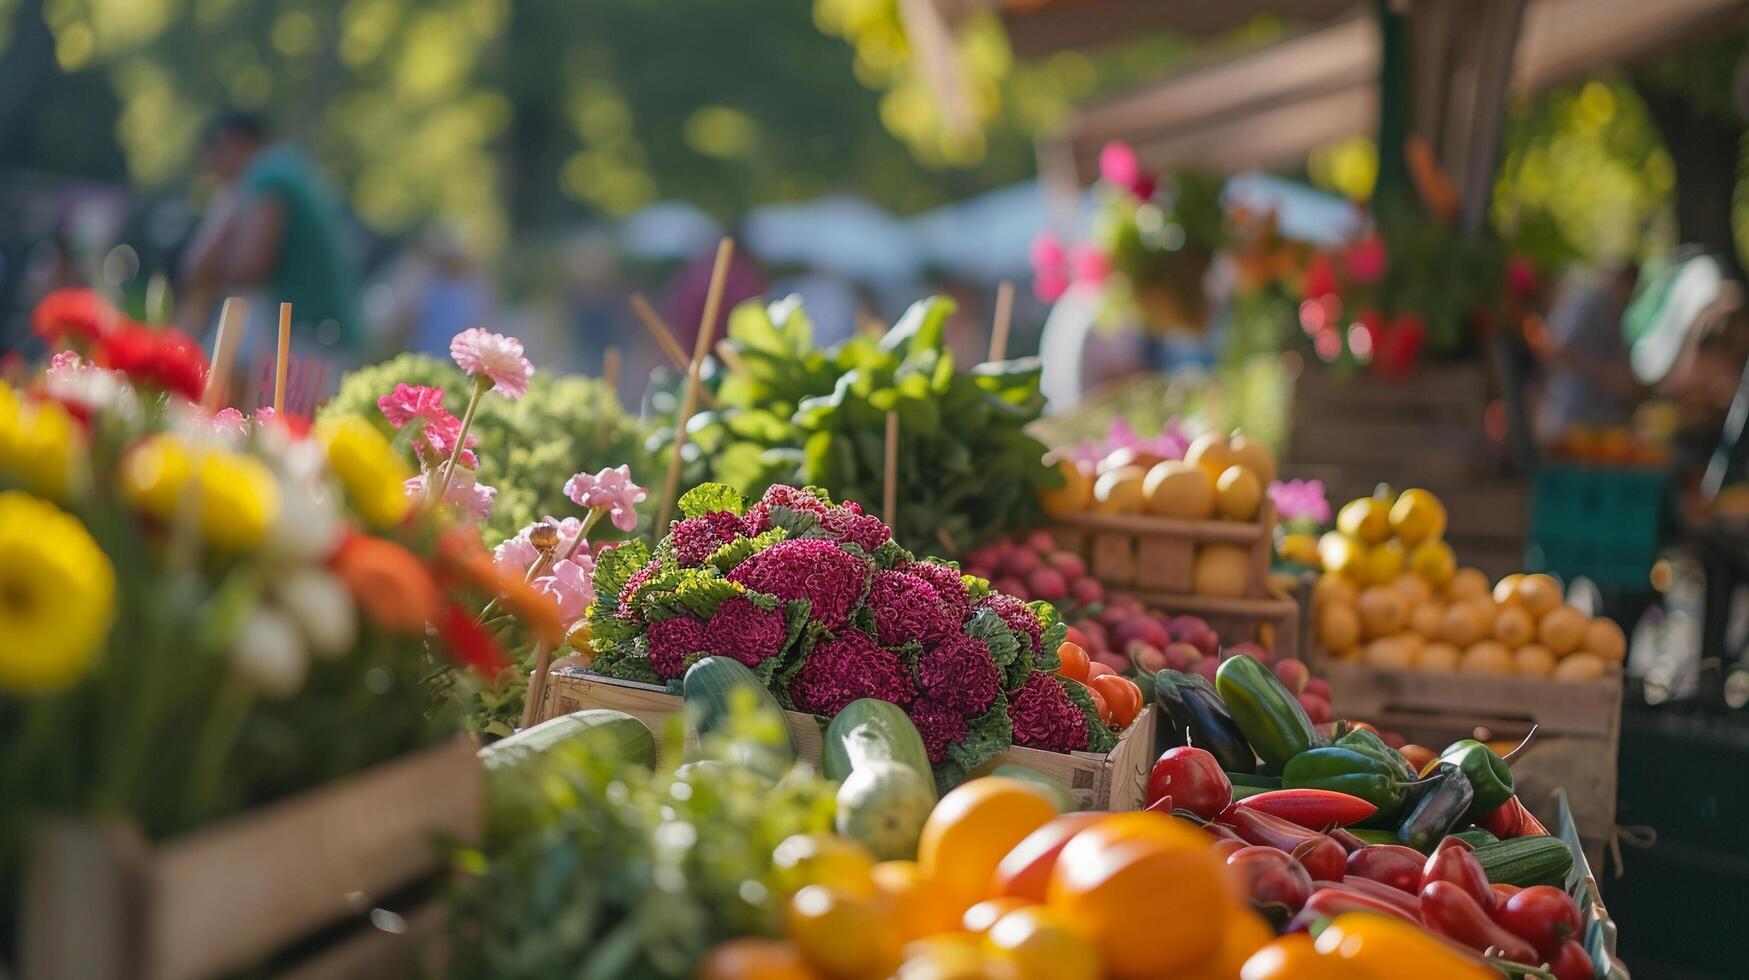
(709, 690)
(1526, 861)
(1476, 837)
(867, 730)
(1241, 790)
(1058, 793)
(507, 757)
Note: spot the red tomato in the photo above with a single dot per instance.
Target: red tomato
(1571, 962)
(1074, 662)
(1193, 779)
(1097, 669)
(1122, 694)
(1541, 914)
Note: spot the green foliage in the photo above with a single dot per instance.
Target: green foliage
(528, 448)
(988, 736)
(595, 867)
(967, 468)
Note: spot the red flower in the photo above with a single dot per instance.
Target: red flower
(1399, 348)
(1367, 260)
(469, 643)
(1319, 279)
(672, 641)
(167, 358)
(77, 314)
(959, 675)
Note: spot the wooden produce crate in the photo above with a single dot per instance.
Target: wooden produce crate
(1600, 932)
(1578, 728)
(1431, 424)
(1153, 558)
(1117, 780)
(303, 883)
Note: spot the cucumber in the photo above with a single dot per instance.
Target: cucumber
(1476, 837)
(1241, 790)
(507, 757)
(884, 804)
(1526, 861)
(869, 730)
(1058, 793)
(1253, 779)
(710, 687)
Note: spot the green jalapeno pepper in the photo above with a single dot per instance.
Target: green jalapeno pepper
(1486, 771)
(1350, 771)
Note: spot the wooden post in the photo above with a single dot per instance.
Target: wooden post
(233, 320)
(1004, 313)
(610, 368)
(890, 480)
(537, 685)
(707, 327)
(659, 330)
(283, 360)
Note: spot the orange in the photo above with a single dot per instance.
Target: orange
(1441, 657)
(1179, 489)
(1433, 562)
(1468, 621)
(1383, 611)
(1539, 593)
(919, 908)
(980, 917)
(1467, 583)
(1119, 491)
(1562, 629)
(1247, 932)
(1152, 906)
(1394, 652)
(1211, 452)
(1338, 626)
(1514, 626)
(1426, 619)
(843, 935)
(1414, 589)
(1238, 493)
(1605, 639)
(1506, 590)
(1076, 494)
(1486, 657)
(755, 959)
(1379, 947)
(1253, 455)
(973, 828)
(1025, 872)
(1041, 946)
(1579, 667)
(1221, 570)
(952, 956)
(1332, 587)
(1417, 516)
(1533, 660)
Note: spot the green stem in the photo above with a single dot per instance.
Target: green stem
(481, 385)
(218, 737)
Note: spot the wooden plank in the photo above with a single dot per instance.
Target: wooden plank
(1217, 532)
(1560, 707)
(391, 945)
(81, 901)
(224, 897)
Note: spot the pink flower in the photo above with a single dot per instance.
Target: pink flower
(845, 668)
(65, 362)
(779, 495)
(482, 353)
(517, 553)
(1367, 260)
(905, 608)
(1089, 264)
(1018, 617)
(571, 583)
(1044, 717)
(940, 727)
(697, 538)
(465, 492)
(628, 595)
(611, 489)
(828, 577)
(948, 585)
(230, 422)
(1319, 278)
(408, 402)
(672, 641)
(742, 630)
(1050, 267)
(1521, 276)
(850, 525)
(1119, 165)
(960, 675)
(1300, 500)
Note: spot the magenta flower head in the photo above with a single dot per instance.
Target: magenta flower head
(1044, 717)
(672, 641)
(611, 490)
(485, 354)
(906, 607)
(850, 525)
(844, 668)
(1368, 260)
(940, 727)
(408, 402)
(779, 495)
(742, 630)
(697, 538)
(230, 423)
(959, 674)
(948, 585)
(1018, 617)
(830, 578)
(629, 593)
(1300, 500)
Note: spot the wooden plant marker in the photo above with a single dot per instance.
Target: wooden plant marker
(1004, 315)
(233, 320)
(282, 362)
(707, 328)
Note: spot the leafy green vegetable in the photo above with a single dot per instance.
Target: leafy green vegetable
(795, 414)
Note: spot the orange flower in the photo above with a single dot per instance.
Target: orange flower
(389, 583)
(464, 560)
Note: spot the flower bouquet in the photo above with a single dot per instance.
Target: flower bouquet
(821, 603)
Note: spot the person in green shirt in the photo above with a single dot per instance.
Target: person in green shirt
(275, 231)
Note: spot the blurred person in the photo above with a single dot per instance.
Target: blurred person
(1590, 381)
(1706, 376)
(275, 232)
(436, 291)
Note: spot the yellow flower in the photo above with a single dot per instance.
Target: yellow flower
(57, 595)
(239, 500)
(373, 475)
(154, 474)
(39, 444)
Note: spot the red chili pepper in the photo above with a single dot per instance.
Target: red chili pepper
(1446, 908)
(1454, 862)
(1328, 901)
(1571, 962)
(1324, 859)
(1503, 891)
(1511, 819)
(1541, 915)
(1349, 842)
(1314, 809)
(1391, 864)
(1193, 778)
(1226, 847)
(1408, 905)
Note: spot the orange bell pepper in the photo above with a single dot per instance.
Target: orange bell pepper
(1377, 947)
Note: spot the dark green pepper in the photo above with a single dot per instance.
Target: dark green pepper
(1362, 740)
(1346, 770)
(1267, 713)
(1487, 773)
(1443, 799)
(1194, 708)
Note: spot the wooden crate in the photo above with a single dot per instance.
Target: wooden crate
(1140, 553)
(1117, 780)
(1578, 728)
(305, 874)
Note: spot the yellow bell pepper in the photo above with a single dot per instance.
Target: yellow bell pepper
(1377, 947)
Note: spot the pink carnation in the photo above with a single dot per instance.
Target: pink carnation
(482, 353)
(905, 608)
(611, 490)
(570, 583)
(1044, 717)
(828, 577)
(437, 439)
(948, 584)
(847, 667)
(779, 495)
(516, 554)
(229, 422)
(744, 631)
(959, 674)
(697, 538)
(672, 641)
(471, 498)
(940, 727)
(1018, 617)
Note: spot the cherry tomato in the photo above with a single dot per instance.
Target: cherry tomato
(1571, 962)
(1122, 694)
(1097, 669)
(1073, 662)
(1541, 914)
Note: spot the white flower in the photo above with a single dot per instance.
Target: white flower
(269, 655)
(321, 607)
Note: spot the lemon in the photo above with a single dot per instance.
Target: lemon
(1417, 516)
(1367, 519)
(1300, 548)
(1343, 555)
(1433, 562)
(823, 859)
(1385, 562)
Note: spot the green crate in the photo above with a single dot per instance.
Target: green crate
(1602, 523)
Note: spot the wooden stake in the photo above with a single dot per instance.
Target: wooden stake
(537, 685)
(731, 360)
(664, 337)
(610, 369)
(1004, 313)
(284, 360)
(707, 327)
(233, 320)
(890, 483)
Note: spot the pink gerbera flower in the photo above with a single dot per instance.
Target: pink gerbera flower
(482, 353)
(611, 490)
